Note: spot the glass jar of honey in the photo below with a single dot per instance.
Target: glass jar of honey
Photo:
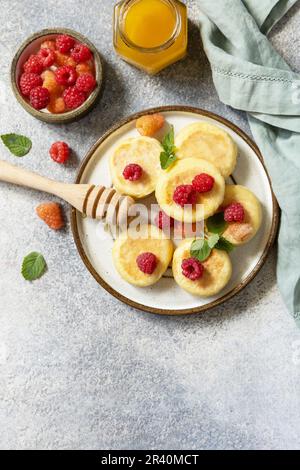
(150, 34)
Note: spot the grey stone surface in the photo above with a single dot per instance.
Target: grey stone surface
(78, 369)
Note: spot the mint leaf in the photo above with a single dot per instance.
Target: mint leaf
(200, 249)
(18, 145)
(166, 160)
(168, 156)
(33, 266)
(216, 223)
(224, 245)
(168, 140)
(213, 240)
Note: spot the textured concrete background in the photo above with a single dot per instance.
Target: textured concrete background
(78, 369)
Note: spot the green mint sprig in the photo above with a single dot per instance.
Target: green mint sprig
(217, 225)
(33, 266)
(224, 245)
(202, 247)
(168, 156)
(18, 145)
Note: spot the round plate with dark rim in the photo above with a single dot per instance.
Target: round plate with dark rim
(166, 297)
(29, 47)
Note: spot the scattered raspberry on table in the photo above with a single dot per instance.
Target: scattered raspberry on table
(59, 152)
(51, 214)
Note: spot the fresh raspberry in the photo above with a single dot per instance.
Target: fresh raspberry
(47, 56)
(203, 183)
(86, 83)
(81, 53)
(185, 194)
(63, 59)
(146, 262)
(64, 43)
(33, 65)
(163, 221)
(85, 67)
(73, 97)
(192, 269)
(132, 172)
(51, 214)
(49, 82)
(59, 152)
(66, 75)
(48, 45)
(39, 97)
(234, 212)
(28, 81)
(150, 124)
(56, 105)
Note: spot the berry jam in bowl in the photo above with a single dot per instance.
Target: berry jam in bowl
(57, 75)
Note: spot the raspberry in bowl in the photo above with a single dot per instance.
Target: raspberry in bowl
(57, 75)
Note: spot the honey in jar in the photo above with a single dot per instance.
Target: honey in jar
(150, 34)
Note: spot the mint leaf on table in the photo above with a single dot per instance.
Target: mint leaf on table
(200, 249)
(33, 266)
(18, 145)
(168, 156)
(216, 223)
(224, 245)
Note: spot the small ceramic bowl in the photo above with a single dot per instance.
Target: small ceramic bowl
(29, 47)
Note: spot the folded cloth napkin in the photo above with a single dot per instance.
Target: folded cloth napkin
(250, 75)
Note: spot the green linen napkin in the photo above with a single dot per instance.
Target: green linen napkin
(250, 75)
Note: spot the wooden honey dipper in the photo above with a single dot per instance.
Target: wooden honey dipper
(97, 202)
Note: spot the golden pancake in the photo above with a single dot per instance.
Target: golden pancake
(239, 233)
(143, 151)
(209, 142)
(130, 245)
(217, 271)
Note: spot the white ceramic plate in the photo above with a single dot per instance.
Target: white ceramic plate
(166, 297)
